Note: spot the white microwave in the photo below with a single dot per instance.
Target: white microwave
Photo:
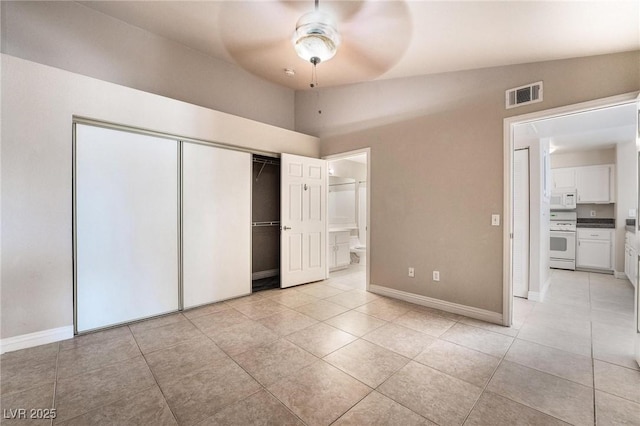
(563, 200)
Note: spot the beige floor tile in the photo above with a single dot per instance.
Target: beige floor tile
(481, 340)
(204, 392)
(28, 368)
(275, 361)
(352, 299)
(80, 394)
(460, 362)
(157, 322)
(355, 323)
(495, 410)
(378, 410)
(425, 322)
(293, 299)
(96, 355)
(206, 310)
(437, 396)
(448, 315)
(219, 321)
(178, 361)
(507, 331)
(94, 337)
(558, 339)
(321, 339)
(614, 345)
(402, 340)
(16, 408)
(566, 323)
(614, 411)
(321, 310)
(319, 393)
(145, 408)
(261, 308)
(255, 297)
(576, 368)
(616, 380)
(287, 322)
(157, 338)
(243, 337)
(319, 290)
(384, 310)
(560, 398)
(369, 363)
(261, 408)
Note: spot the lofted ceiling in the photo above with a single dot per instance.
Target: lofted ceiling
(388, 39)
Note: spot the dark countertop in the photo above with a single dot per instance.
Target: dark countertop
(595, 223)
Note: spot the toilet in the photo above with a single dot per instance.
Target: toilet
(358, 251)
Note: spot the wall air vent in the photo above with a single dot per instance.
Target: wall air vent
(524, 95)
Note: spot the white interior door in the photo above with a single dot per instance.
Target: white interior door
(216, 219)
(521, 223)
(126, 226)
(303, 220)
(637, 259)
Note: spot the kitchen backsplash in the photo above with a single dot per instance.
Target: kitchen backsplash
(602, 210)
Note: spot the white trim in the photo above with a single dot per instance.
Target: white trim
(455, 308)
(509, 123)
(23, 341)
(265, 274)
(620, 275)
(345, 155)
(538, 296)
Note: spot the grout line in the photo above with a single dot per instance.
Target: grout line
(55, 384)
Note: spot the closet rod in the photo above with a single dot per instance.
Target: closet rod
(271, 223)
(266, 161)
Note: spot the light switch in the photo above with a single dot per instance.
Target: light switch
(495, 220)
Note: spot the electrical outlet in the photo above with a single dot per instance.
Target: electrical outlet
(412, 272)
(592, 213)
(495, 220)
(436, 275)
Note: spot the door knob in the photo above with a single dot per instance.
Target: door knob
(286, 227)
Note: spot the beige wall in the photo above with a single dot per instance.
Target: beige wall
(583, 158)
(437, 164)
(70, 36)
(38, 103)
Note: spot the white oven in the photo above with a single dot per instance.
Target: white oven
(563, 240)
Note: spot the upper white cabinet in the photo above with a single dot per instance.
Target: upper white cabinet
(565, 178)
(594, 184)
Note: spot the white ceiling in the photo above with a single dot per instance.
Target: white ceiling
(597, 129)
(389, 39)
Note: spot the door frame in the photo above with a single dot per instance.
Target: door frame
(508, 144)
(343, 156)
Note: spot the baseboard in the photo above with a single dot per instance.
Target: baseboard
(620, 275)
(455, 308)
(24, 341)
(538, 296)
(265, 274)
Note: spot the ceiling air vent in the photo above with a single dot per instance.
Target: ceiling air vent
(524, 95)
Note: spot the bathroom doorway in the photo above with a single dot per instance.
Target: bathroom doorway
(348, 218)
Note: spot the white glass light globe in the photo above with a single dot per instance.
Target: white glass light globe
(316, 36)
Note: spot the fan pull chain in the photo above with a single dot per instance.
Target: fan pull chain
(314, 73)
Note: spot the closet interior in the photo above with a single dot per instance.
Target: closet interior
(265, 217)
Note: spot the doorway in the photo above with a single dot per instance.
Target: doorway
(348, 218)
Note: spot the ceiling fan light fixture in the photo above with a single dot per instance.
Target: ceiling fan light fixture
(316, 38)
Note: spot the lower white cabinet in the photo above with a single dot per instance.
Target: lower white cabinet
(595, 249)
(339, 252)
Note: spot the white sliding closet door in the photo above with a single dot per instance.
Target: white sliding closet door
(126, 226)
(216, 224)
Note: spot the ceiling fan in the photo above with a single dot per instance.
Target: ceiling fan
(277, 40)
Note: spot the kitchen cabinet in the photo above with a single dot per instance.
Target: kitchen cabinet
(564, 178)
(593, 184)
(339, 251)
(630, 259)
(595, 249)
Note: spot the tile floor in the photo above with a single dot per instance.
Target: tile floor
(331, 353)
